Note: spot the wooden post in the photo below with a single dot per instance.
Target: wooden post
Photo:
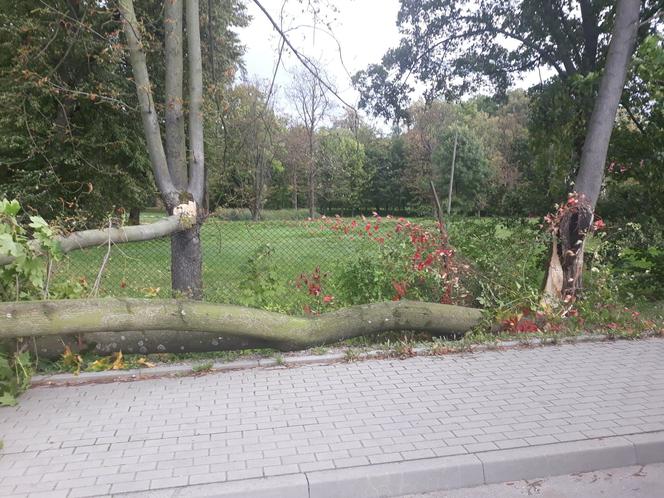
(439, 212)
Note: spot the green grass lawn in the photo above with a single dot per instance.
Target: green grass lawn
(138, 269)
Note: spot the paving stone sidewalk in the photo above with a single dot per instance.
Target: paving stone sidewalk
(147, 435)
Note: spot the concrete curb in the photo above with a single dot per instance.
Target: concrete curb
(437, 474)
(288, 486)
(68, 379)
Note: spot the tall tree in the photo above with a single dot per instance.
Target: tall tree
(179, 165)
(342, 174)
(577, 216)
(454, 47)
(179, 180)
(310, 98)
(471, 172)
(252, 140)
(296, 160)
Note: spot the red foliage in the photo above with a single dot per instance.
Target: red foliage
(427, 253)
(519, 324)
(400, 287)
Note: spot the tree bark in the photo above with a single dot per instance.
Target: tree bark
(621, 47)
(134, 216)
(67, 317)
(312, 192)
(196, 145)
(186, 247)
(176, 147)
(150, 119)
(576, 218)
(294, 193)
(187, 263)
(93, 238)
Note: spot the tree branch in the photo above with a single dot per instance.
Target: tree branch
(92, 238)
(176, 147)
(196, 144)
(305, 62)
(146, 104)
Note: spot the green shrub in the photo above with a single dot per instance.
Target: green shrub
(24, 277)
(635, 254)
(507, 257)
(15, 374)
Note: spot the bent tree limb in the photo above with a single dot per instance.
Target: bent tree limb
(92, 238)
(66, 317)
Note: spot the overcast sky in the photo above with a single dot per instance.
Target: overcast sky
(364, 30)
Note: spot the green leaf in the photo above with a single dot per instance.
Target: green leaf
(10, 247)
(10, 208)
(7, 399)
(38, 222)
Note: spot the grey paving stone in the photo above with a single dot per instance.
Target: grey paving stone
(236, 424)
(294, 486)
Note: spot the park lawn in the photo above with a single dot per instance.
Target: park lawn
(143, 268)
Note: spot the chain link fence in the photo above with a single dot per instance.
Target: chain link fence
(235, 255)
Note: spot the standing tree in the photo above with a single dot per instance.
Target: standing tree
(178, 163)
(312, 104)
(471, 171)
(458, 46)
(295, 160)
(252, 135)
(427, 121)
(576, 217)
(342, 171)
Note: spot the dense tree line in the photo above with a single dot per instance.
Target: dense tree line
(71, 144)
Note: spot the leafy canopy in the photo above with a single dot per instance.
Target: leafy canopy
(456, 47)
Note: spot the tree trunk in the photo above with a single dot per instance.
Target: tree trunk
(576, 218)
(221, 322)
(176, 149)
(150, 119)
(134, 216)
(312, 191)
(187, 263)
(259, 185)
(195, 128)
(171, 174)
(294, 193)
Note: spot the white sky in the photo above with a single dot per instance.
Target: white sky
(364, 29)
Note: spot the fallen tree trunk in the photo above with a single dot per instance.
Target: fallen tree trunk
(220, 322)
